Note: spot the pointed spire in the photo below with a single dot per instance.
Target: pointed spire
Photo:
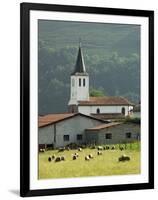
(80, 66)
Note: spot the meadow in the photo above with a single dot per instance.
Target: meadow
(101, 165)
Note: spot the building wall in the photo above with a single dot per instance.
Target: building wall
(118, 134)
(79, 92)
(87, 110)
(46, 135)
(91, 137)
(72, 127)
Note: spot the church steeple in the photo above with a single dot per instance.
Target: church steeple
(80, 66)
(79, 87)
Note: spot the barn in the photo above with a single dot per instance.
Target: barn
(59, 130)
(113, 133)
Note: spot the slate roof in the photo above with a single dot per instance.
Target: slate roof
(80, 66)
(102, 126)
(106, 101)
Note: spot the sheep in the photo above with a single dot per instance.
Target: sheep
(68, 148)
(58, 159)
(76, 154)
(90, 156)
(63, 158)
(121, 148)
(79, 149)
(99, 153)
(49, 159)
(93, 147)
(100, 148)
(113, 148)
(123, 158)
(61, 149)
(42, 150)
(87, 158)
(74, 157)
(107, 147)
(53, 156)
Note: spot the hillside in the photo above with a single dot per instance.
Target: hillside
(111, 54)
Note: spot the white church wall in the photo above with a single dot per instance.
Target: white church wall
(79, 92)
(82, 91)
(87, 110)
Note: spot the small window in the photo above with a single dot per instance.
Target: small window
(79, 137)
(84, 82)
(79, 82)
(98, 110)
(128, 135)
(123, 111)
(108, 136)
(66, 137)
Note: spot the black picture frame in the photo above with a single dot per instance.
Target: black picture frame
(25, 9)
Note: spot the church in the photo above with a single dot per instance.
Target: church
(108, 107)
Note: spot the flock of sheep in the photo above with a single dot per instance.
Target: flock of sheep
(87, 157)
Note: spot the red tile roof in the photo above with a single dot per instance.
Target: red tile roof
(106, 101)
(102, 126)
(52, 118)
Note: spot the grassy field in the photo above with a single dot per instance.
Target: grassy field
(103, 165)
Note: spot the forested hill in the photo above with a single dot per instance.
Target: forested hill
(111, 53)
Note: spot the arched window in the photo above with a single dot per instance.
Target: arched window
(123, 111)
(98, 110)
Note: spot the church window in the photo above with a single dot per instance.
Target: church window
(98, 110)
(84, 82)
(123, 111)
(79, 82)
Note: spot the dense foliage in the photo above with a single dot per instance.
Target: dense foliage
(111, 55)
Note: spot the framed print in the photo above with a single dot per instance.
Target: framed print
(87, 99)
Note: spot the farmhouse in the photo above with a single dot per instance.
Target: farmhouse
(62, 129)
(101, 107)
(59, 130)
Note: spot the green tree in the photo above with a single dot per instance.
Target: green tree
(96, 93)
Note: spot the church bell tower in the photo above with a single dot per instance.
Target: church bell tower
(79, 87)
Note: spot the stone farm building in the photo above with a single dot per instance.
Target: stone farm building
(59, 130)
